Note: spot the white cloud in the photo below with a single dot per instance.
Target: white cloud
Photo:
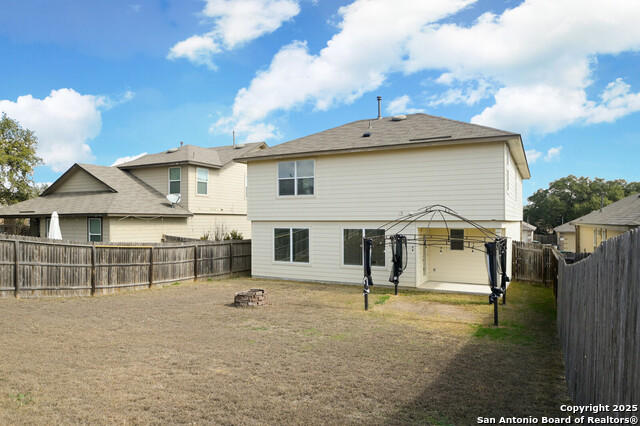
(400, 105)
(357, 60)
(541, 51)
(552, 153)
(533, 156)
(127, 158)
(197, 49)
(236, 22)
(535, 61)
(467, 95)
(63, 122)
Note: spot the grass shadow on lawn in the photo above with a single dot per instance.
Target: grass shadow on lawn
(515, 369)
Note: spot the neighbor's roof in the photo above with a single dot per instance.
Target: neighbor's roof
(123, 195)
(625, 212)
(416, 130)
(215, 157)
(566, 227)
(528, 227)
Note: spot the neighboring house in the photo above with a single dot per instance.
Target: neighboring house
(607, 222)
(128, 202)
(312, 199)
(566, 234)
(527, 232)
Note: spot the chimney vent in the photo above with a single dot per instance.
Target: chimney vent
(181, 143)
(379, 110)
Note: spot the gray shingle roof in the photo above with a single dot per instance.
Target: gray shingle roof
(625, 212)
(126, 196)
(415, 129)
(566, 227)
(215, 157)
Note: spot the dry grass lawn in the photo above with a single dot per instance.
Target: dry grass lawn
(183, 354)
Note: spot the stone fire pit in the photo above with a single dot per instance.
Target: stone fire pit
(250, 298)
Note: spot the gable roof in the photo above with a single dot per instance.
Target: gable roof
(215, 157)
(625, 212)
(124, 195)
(415, 130)
(528, 227)
(565, 228)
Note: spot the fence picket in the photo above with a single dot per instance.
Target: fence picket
(36, 267)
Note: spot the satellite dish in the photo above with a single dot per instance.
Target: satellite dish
(173, 199)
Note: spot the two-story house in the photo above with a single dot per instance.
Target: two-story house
(128, 202)
(311, 200)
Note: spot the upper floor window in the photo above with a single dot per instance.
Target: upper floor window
(202, 181)
(296, 177)
(174, 180)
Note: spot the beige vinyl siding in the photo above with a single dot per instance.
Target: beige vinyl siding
(226, 190)
(568, 241)
(456, 266)
(152, 230)
(157, 177)
(380, 185)
(81, 181)
(325, 255)
(513, 196)
(584, 236)
(74, 228)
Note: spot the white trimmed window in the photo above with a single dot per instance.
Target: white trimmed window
(47, 227)
(94, 228)
(296, 177)
(352, 246)
(291, 245)
(174, 180)
(202, 181)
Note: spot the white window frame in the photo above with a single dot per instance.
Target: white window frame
(89, 234)
(364, 231)
(595, 238)
(169, 179)
(47, 226)
(296, 177)
(290, 261)
(198, 181)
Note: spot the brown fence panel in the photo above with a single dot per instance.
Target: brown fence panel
(598, 322)
(34, 267)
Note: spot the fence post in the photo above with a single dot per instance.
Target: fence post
(195, 262)
(16, 278)
(231, 257)
(93, 270)
(150, 267)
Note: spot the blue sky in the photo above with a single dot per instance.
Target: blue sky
(101, 81)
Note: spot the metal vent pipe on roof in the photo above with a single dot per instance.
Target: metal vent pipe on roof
(379, 110)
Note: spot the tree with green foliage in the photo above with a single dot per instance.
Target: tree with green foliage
(17, 160)
(571, 197)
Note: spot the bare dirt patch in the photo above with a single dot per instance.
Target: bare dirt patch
(184, 354)
(435, 311)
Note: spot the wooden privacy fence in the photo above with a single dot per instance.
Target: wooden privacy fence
(533, 262)
(599, 323)
(33, 267)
